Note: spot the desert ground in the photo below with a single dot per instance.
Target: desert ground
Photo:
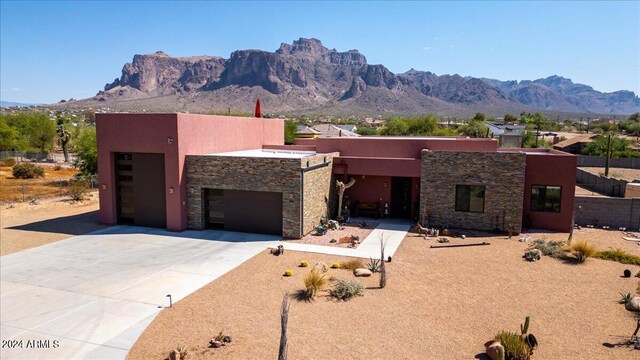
(438, 303)
(24, 225)
(618, 173)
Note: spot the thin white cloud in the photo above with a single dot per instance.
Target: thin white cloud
(451, 46)
(427, 48)
(13, 89)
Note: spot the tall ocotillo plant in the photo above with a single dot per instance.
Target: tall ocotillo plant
(284, 319)
(383, 268)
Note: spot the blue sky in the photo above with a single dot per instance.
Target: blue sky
(58, 50)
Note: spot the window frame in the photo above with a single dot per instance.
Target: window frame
(468, 207)
(544, 208)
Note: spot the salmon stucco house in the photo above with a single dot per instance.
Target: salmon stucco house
(186, 171)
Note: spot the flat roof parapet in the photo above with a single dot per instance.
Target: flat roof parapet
(267, 153)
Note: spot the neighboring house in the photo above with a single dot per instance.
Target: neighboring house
(509, 136)
(576, 144)
(180, 171)
(326, 130)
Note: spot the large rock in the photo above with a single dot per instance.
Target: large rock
(321, 267)
(633, 304)
(493, 349)
(362, 272)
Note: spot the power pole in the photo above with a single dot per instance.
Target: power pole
(588, 123)
(607, 157)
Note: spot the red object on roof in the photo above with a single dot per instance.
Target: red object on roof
(258, 113)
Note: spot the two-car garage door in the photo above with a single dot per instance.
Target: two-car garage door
(245, 211)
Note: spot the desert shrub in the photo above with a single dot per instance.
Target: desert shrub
(8, 161)
(77, 189)
(514, 346)
(335, 265)
(618, 255)
(352, 264)
(27, 170)
(548, 248)
(57, 167)
(304, 263)
(373, 265)
(288, 272)
(346, 290)
(580, 250)
(314, 281)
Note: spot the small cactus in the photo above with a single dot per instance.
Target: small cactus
(625, 298)
(304, 263)
(500, 352)
(525, 328)
(288, 272)
(335, 265)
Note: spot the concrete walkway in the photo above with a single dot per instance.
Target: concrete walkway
(91, 296)
(392, 231)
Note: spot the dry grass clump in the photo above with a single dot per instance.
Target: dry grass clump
(618, 255)
(77, 190)
(580, 250)
(314, 282)
(352, 264)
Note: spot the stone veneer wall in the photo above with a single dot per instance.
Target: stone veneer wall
(260, 174)
(502, 174)
(317, 188)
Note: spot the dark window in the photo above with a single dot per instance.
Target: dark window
(545, 198)
(470, 198)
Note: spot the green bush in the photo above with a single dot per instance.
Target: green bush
(548, 248)
(27, 170)
(618, 255)
(8, 161)
(347, 290)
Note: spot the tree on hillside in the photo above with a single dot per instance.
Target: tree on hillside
(619, 147)
(87, 152)
(290, 128)
(508, 118)
(395, 127)
(9, 136)
(475, 129)
(634, 117)
(36, 131)
(365, 130)
(479, 117)
(424, 125)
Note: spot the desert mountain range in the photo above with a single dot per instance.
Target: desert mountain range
(308, 77)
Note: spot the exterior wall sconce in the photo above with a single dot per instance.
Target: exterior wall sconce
(363, 177)
(104, 186)
(384, 184)
(171, 190)
(169, 140)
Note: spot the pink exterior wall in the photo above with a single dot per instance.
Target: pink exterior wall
(191, 134)
(550, 168)
(390, 156)
(370, 189)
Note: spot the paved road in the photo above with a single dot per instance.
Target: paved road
(91, 296)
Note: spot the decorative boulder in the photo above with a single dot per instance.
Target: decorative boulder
(362, 272)
(633, 305)
(627, 273)
(494, 349)
(226, 339)
(322, 267)
(215, 344)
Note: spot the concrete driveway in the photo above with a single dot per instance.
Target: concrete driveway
(91, 296)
